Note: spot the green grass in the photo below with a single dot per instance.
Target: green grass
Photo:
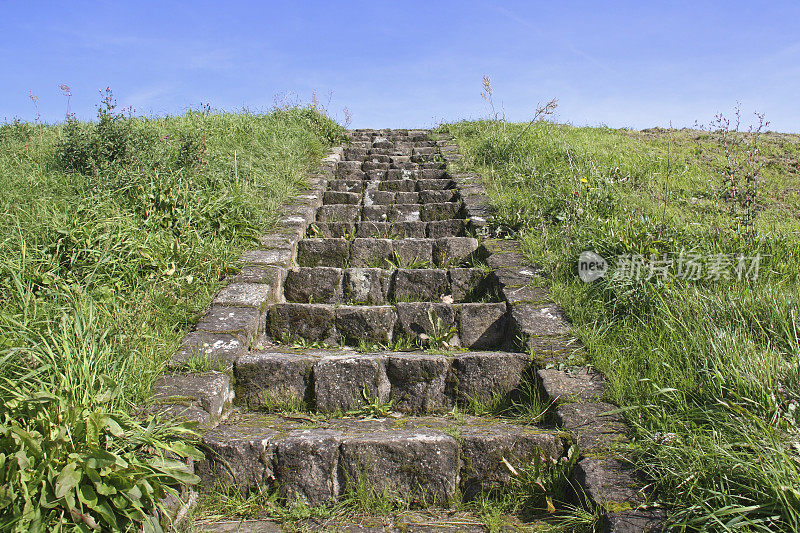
(143, 241)
(114, 236)
(708, 368)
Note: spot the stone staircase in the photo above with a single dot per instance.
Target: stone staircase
(355, 343)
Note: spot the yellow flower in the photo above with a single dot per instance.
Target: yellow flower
(584, 180)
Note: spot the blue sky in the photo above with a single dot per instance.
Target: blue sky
(409, 64)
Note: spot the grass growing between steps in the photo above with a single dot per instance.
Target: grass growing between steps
(114, 235)
(707, 370)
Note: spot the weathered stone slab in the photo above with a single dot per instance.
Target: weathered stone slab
(535, 320)
(442, 211)
(306, 463)
(371, 253)
(575, 383)
(402, 185)
(313, 322)
(608, 481)
(338, 213)
(369, 323)
(317, 284)
(240, 456)
(323, 252)
(210, 391)
(467, 283)
(239, 294)
(415, 464)
(271, 378)
(451, 251)
(340, 381)
(420, 284)
(375, 213)
(481, 375)
(486, 448)
(273, 276)
(418, 382)
(404, 213)
(482, 325)
(367, 285)
(437, 229)
(427, 184)
(281, 257)
(219, 349)
(413, 319)
(592, 425)
(341, 197)
(438, 196)
(235, 320)
(413, 251)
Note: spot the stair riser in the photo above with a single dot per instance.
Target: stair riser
(415, 382)
(386, 253)
(375, 286)
(422, 463)
(469, 325)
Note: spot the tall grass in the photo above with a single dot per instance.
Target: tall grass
(114, 235)
(709, 368)
(141, 223)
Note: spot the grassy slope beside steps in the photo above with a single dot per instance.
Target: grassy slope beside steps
(114, 235)
(708, 371)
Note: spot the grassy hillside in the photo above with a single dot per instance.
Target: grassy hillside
(114, 235)
(707, 370)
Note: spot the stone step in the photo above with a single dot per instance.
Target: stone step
(376, 286)
(468, 325)
(434, 229)
(378, 197)
(436, 460)
(386, 253)
(414, 382)
(415, 212)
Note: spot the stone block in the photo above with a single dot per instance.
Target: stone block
(538, 320)
(323, 252)
(313, 322)
(272, 378)
(418, 382)
(414, 319)
(244, 321)
(486, 448)
(275, 257)
(420, 284)
(245, 295)
(413, 464)
(482, 325)
(371, 253)
(314, 285)
(452, 251)
(593, 425)
(369, 323)
(306, 464)
(437, 229)
(410, 251)
(367, 285)
(467, 284)
(575, 383)
(481, 375)
(341, 381)
(337, 197)
(338, 213)
(220, 349)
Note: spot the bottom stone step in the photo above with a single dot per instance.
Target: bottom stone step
(406, 522)
(425, 459)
